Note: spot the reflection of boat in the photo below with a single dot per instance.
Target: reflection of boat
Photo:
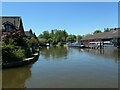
(47, 44)
(82, 50)
(103, 44)
(22, 62)
(94, 44)
(108, 44)
(75, 44)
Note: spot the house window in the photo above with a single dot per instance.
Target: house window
(8, 27)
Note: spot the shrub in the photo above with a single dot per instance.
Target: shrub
(28, 52)
(19, 53)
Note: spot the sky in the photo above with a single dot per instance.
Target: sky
(60, 0)
(77, 18)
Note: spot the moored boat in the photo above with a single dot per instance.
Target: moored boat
(23, 62)
(75, 44)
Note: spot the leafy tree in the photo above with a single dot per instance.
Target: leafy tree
(40, 36)
(30, 31)
(106, 30)
(61, 35)
(71, 38)
(79, 37)
(46, 34)
(97, 31)
(54, 36)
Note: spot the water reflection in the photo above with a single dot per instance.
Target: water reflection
(54, 52)
(67, 68)
(60, 52)
(112, 53)
(82, 68)
(15, 78)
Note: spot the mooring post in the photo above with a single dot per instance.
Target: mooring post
(103, 44)
(100, 45)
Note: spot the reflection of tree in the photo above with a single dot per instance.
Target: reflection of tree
(54, 52)
(15, 78)
(0, 55)
(113, 53)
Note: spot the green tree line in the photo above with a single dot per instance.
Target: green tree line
(55, 36)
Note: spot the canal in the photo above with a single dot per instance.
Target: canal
(63, 67)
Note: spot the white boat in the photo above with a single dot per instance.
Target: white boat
(75, 44)
(103, 43)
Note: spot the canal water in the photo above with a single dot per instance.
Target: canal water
(67, 67)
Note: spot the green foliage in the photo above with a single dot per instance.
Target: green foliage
(33, 40)
(19, 53)
(45, 35)
(30, 31)
(42, 41)
(106, 30)
(57, 36)
(28, 52)
(97, 31)
(16, 47)
(79, 37)
(11, 53)
(7, 46)
(71, 38)
(61, 35)
(54, 36)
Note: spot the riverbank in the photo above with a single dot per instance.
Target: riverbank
(23, 62)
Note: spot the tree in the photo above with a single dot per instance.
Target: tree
(97, 31)
(40, 36)
(65, 34)
(30, 31)
(54, 36)
(61, 35)
(46, 34)
(78, 38)
(71, 38)
(106, 30)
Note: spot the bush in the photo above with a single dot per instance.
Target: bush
(10, 54)
(19, 53)
(16, 47)
(28, 53)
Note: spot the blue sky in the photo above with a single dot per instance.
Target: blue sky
(76, 18)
